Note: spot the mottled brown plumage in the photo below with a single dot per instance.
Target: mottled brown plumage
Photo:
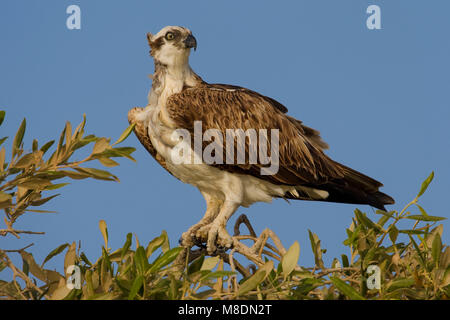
(302, 160)
(179, 98)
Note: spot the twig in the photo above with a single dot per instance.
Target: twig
(20, 250)
(22, 275)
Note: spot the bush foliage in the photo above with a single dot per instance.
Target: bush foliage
(380, 264)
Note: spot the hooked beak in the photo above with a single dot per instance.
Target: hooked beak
(190, 42)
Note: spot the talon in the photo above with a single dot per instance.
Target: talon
(186, 240)
(218, 239)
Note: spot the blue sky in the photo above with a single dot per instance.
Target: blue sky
(379, 97)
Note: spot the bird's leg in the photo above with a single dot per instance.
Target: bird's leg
(216, 231)
(190, 238)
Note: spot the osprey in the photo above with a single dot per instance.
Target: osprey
(179, 99)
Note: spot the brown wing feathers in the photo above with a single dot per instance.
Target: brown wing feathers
(222, 109)
(302, 161)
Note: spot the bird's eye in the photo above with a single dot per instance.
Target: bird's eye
(170, 36)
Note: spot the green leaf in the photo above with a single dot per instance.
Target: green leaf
(196, 264)
(155, 244)
(382, 221)
(100, 145)
(290, 259)
(387, 214)
(165, 259)
(75, 175)
(256, 279)
(393, 233)
(400, 283)
(25, 267)
(27, 160)
(19, 137)
(61, 140)
(125, 134)
(422, 210)
(419, 252)
(34, 183)
(137, 284)
(107, 162)
(346, 289)
(84, 141)
(35, 145)
(56, 186)
(2, 158)
(2, 116)
(40, 202)
(126, 246)
(425, 184)
(79, 131)
(410, 232)
(140, 260)
(364, 220)
(345, 262)
(68, 133)
(98, 174)
(47, 146)
(424, 218)
(315, 246)
(55, 252)
(120, 152)
(85, 259)
(210, 263)
(436, 248)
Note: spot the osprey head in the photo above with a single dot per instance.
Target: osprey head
(171, 46)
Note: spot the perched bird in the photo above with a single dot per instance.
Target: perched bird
(180, 99)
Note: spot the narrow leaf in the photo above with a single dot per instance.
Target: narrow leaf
(137, 284)
(256, 279)
(290, 259)
(47, 146)
(400, 283)
(210, 263)
(196, 264)
(125, 134)
(40, 202)
(424, 218)
(55, 252)
(2, 158)
(107, 162)
(100, 145)
(127, 245)
(19, 137)
(436, 249)
(140, 260)
(56, 186)
(425, 184)
(346, 289)
(98, 174)
(165, 259)
(393, 234)
(422, 210)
